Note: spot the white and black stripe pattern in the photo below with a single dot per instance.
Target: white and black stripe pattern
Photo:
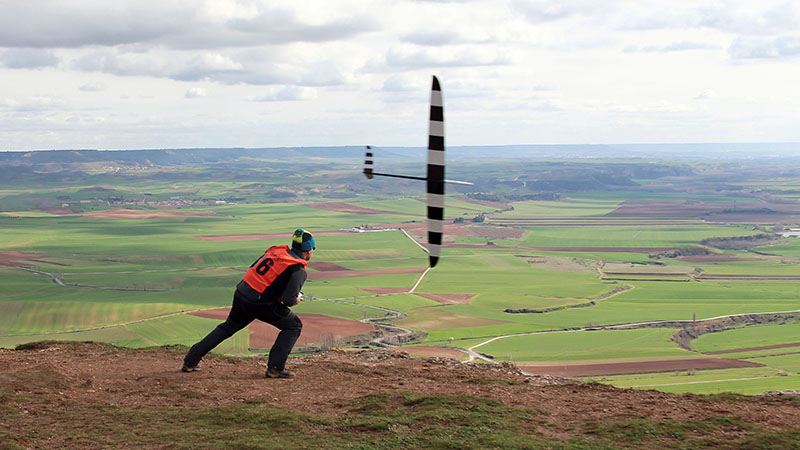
(435, 174)
(368, 163)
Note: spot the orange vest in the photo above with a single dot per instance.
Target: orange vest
(271, 264)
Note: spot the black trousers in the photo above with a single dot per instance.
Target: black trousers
(244, 311)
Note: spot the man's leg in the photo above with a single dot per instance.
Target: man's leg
(291, 327)
(237, 319)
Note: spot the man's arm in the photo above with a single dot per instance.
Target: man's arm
(292, 290)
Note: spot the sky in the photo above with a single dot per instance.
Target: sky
(146, 74)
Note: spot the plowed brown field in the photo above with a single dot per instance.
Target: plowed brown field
(583, 370)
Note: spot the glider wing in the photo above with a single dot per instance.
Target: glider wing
(435, 176)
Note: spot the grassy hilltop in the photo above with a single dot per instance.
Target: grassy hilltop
(654, 274)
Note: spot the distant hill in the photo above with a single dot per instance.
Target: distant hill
(174, 156)
(517, 172)
(687, 151)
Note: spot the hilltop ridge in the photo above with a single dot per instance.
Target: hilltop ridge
(88, 395)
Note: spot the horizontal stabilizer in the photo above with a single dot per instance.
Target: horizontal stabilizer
(370, 173)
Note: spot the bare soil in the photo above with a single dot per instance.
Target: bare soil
(20, 259)
(56, 211)
(667, 365)
(12, 258)
(42, 382)
(753, 349)
(430, 351)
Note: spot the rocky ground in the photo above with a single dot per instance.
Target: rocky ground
(40, 381)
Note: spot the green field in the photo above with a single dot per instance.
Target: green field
(746, 381)
(130, 282)
(587, 345)
(567, 208)
(757, 336)
(626, 235)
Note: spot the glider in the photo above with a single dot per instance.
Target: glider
(435, 177)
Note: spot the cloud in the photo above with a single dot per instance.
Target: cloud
(287, 93)
(33, 103)
(28, 58)
(179, 24)
(706, 94)
(318, 73)
(748, 20)
(412, 57)
(184, 66)
(113, 62)
(402, 83)
(94, 86)
(539, 11)
(547, 106)
(283, 26)
(195, 92)
(52, 23)
(205, 65)
(253, 67)
(742, 18)
(658, 107)
(447, 36)
(432, 37)
(679, 46)
(499, 62)
(756, 47)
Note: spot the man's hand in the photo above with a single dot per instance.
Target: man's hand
(299, 297)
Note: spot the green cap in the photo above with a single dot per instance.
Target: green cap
(303, 241)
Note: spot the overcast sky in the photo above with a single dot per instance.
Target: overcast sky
(111, 74)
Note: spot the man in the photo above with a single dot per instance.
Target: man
(270, 286)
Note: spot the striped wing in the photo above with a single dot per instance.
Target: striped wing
(435, 176)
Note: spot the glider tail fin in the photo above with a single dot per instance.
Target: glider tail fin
(368, 164)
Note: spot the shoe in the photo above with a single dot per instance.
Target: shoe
(274, 373)
(186, 368)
